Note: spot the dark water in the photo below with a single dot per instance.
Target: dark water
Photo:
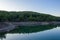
(48, 32)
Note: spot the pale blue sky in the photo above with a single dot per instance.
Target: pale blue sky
(43, 6)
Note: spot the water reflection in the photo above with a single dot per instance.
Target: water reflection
(34, 32)
(32, 29)
(2, 35)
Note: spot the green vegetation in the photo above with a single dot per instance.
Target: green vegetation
(26, 16)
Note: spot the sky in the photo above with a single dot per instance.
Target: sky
(42, 6)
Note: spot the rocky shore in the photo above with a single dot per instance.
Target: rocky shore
(34, 23)
(7, 26)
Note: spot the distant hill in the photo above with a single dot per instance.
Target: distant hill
(14, 16)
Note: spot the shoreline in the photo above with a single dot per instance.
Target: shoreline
(30, 23)
(8, 26)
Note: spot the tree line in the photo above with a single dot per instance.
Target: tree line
(14, 16)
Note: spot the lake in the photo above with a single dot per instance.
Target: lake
(47, 32)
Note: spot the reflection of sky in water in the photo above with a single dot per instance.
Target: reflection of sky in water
(53, 34)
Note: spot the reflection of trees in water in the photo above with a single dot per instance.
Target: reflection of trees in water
(28, 29)
(2, 36)
(31, 29)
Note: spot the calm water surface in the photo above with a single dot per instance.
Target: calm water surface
(50, 34)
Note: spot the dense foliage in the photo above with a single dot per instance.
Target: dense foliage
(26, 16)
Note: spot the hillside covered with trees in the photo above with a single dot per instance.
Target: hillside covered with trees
(13, 16)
